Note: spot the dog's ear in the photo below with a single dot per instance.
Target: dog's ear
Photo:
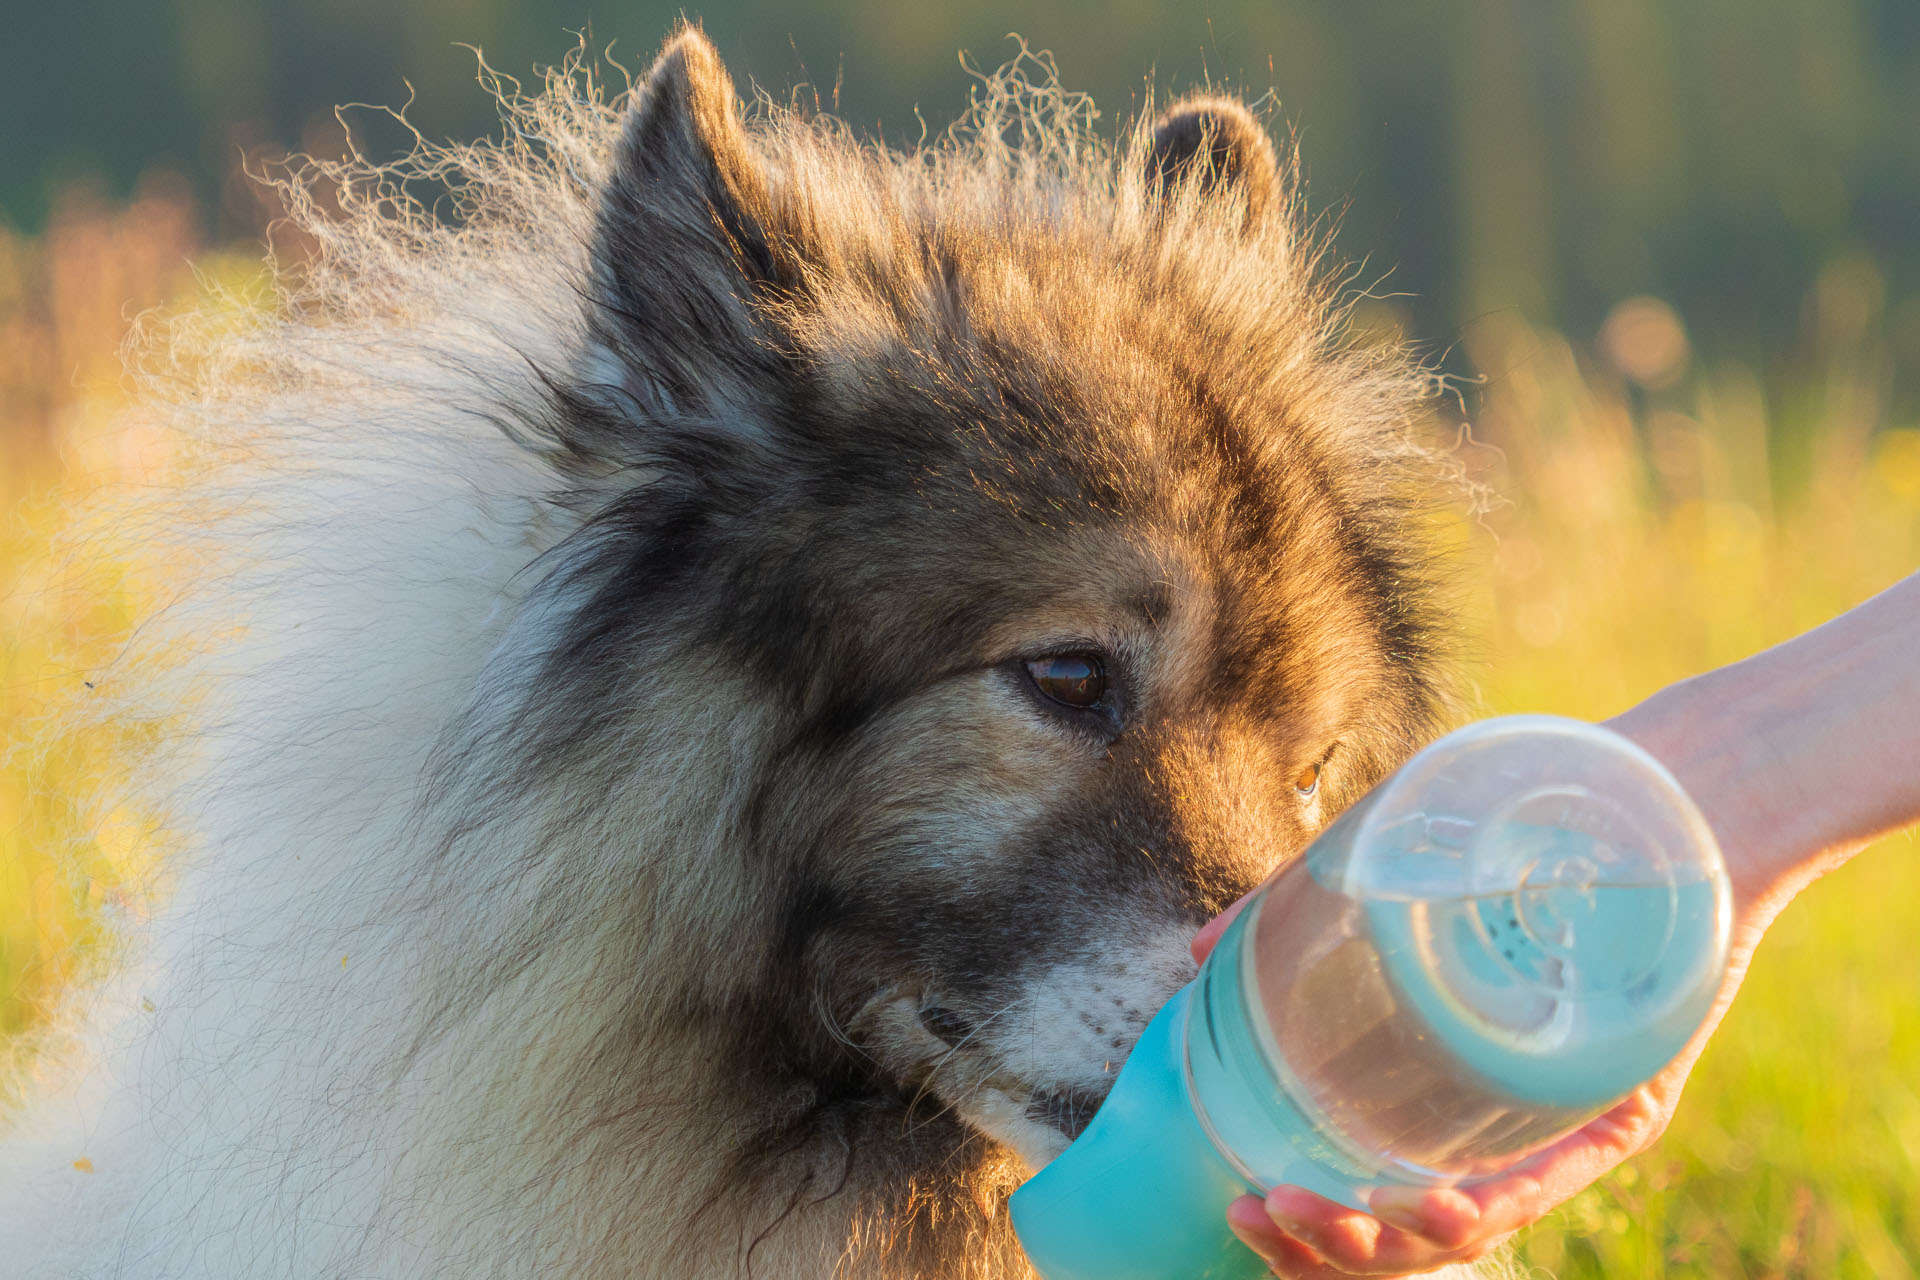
(683, 245)
(1215, 143)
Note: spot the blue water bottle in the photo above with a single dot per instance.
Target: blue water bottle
(1509, 935)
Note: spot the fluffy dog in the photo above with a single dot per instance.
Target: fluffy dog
(706, 687)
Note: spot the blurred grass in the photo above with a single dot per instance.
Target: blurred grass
(65, 302)
(1651, 517)
(1654, 519)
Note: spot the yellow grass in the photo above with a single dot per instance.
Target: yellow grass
(65, 301)
(1653, 517)
(1641, 546)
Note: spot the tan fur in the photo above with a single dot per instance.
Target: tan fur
(596, 722)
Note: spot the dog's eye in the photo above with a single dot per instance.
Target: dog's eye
(1077, 680)
(1307, 781)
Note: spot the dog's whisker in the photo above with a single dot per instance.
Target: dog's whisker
(929, 1083)
(655, 652)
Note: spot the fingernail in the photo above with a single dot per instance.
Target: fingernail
(1253, 1242)
(1247, 1219)
(1397, 1216)
(1290, 1222)
(1396, 1211)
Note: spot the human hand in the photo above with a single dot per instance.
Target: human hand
(1304, 1236)
(1796, 758)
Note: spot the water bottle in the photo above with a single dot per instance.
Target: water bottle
(1509, 935)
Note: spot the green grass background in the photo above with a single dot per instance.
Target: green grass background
(1647, 513)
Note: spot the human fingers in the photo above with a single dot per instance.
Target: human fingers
(1466, 1217)
(1342, 1242)
(1285, 1256)
(1203, 941)
(1307, 1237)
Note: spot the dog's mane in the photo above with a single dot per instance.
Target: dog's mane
(374, 489)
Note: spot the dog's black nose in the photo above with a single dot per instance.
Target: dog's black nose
(946, 1024)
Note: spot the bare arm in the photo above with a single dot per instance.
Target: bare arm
(1802, 753)
(1798, 756)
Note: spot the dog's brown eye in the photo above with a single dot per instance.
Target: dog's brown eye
(1072, 679)
(1307, 781)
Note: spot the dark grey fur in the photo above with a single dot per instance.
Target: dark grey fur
(636, 587)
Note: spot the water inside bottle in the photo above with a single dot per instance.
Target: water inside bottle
(1445, 1038)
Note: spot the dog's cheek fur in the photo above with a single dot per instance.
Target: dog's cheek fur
(1009, 853)
(679, 610)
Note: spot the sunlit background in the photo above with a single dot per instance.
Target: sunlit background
(1670, 254)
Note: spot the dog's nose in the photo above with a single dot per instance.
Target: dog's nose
(946, 1024)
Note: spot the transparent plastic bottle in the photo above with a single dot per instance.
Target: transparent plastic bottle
(1513, 932)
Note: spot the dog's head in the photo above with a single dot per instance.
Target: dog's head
(1026, 562)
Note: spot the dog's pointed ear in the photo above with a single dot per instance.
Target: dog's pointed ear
(682, 243)
(1215, 143)
(683, 150)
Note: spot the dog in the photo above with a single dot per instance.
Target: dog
(706, 680)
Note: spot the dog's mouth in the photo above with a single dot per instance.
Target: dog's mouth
(1030, 1072)
(987, 1074)
(1068, 1110)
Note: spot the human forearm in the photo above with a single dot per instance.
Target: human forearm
(1803, 752)
(1796, 756)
